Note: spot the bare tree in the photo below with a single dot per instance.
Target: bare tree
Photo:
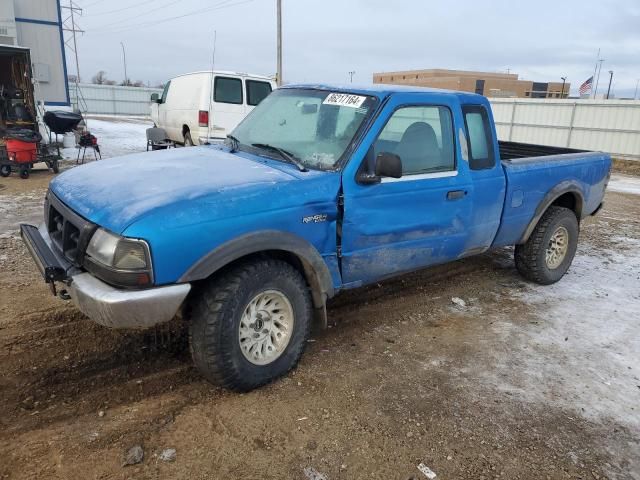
(72, 78)
(100, 78)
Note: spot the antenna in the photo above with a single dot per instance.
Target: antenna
(213, 64)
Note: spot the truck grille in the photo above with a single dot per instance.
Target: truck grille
(69, 233)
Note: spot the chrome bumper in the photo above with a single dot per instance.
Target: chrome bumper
(115, 308)
(102, 303)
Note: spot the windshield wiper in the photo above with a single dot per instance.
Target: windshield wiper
(288, 156)
(235, 143)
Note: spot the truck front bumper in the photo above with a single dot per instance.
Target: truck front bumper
(102, 303)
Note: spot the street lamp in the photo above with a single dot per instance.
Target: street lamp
(564, 80)
(610, 80)
(351, 74)
(124, 60)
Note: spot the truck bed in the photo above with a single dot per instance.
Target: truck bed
(515, 150)
(532, 174)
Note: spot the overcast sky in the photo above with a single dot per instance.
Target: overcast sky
(541, 40)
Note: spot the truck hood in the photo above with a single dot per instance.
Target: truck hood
(117, 192)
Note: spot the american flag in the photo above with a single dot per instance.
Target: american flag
(586, 86)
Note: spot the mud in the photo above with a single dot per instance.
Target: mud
(402, 377)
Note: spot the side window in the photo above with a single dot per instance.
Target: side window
(227, 90)
(257, 91)
(165, 92)
(479, 138)
(422, 137)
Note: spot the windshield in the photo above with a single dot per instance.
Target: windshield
(313, 126)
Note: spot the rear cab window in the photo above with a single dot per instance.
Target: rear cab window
(227, 90)
(257, 91)
(479, 137)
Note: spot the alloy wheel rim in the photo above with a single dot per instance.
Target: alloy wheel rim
(266, 327)
(557, 248)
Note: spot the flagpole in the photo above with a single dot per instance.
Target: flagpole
(595, 70)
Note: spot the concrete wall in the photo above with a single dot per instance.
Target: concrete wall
(112, 99)
(611, 126)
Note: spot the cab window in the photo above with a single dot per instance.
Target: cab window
(228, 90)
(257, 91)
(422, 137)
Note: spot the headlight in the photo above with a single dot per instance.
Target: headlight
(118, 260)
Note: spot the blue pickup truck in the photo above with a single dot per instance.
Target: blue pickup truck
(320, 189)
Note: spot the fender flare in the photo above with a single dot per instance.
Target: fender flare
(568, 186)
(315, 269)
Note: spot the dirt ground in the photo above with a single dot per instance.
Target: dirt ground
(522, 382)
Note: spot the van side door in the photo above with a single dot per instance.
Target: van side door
(228, 105)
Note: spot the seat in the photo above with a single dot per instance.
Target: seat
(418, 149)
(157, 139)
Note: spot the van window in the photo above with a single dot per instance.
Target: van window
(479, 137)
(228, 90)
(257, 91)
(163, 99)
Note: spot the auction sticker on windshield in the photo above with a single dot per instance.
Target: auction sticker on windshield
(344, 100)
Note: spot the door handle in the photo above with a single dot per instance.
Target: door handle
(456, 194)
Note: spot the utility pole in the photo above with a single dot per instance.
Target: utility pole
(124, 59)
(279, 13)
(598, 80)
(610, 80)
(351, 74)
(564, 80)
(69, 25)
(635, 95)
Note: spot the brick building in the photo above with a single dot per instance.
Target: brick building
(484, 83)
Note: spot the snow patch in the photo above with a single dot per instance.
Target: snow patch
(624, 184)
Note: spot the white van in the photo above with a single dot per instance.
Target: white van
(191, 115)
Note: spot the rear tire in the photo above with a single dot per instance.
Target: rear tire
(5, 170)
(188, 141)
(237, 328)
(548, 253)
(24, 174)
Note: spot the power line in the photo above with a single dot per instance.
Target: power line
(161, 7)
(121, 9)
(219, 6)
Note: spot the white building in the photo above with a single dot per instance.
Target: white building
(37, 25)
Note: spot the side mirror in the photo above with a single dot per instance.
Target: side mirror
(155, 97)
(388, 165)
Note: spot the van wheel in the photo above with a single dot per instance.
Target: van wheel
(548, 253)
(188, 141)
(250, 325)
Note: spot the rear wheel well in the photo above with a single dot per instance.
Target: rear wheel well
(185, 130)
(571, 201)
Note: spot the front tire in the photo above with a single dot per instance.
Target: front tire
(548, 253)
(250, 325)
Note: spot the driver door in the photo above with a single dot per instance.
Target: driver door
(420, 219)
